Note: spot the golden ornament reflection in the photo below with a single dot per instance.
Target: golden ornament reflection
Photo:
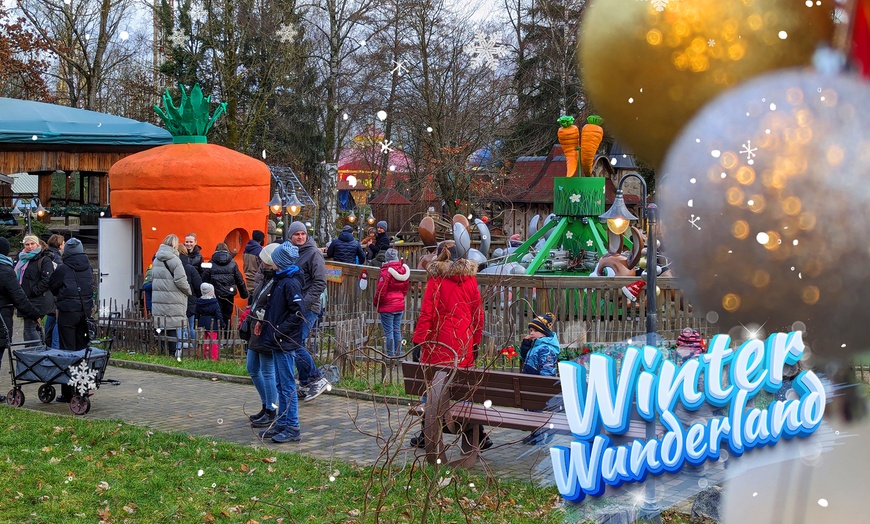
(648, 71)
(783, 239)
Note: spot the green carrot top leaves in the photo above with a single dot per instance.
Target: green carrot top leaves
(566, 121)
(189, 121)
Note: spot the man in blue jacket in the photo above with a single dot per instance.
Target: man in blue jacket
(281, 330)
(346, 249)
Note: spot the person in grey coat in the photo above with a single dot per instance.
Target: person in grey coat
(169, 289)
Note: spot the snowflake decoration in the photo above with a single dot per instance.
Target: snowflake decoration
(569, 235)
(197, 13)
(178, 37)
(82, 378)
(385, 146)
(286, 33)
(748, 150)
(400, 67)
(711, 42)
(574, 198)
(694, 221)
(485, 51)
(659, 5)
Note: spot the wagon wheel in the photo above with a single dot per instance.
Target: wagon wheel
(80, 405)
(46, 393)
(15, 397)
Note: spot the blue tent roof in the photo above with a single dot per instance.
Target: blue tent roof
(23, 121)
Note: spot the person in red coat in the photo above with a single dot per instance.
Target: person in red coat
(451, 319)
(389, 300)
(451, 315)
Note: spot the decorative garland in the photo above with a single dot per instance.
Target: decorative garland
(60, 211)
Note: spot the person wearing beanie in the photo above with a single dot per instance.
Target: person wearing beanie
(209, 318)
(260, 361)
(450, 324)
(313, 268)
(281, 331)
(194, 280)
(34, 269)
(389, 300)
(346, 248)
(539, 351)
(515, 240)
(11, 297)
(378, 249)
(251, 260)
(223, 272)
(689, 343)
(72, 284)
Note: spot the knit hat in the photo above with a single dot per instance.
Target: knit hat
(266, 253)
(515, 236)
(382, 225)
(4, 246)
(296, 227)
(285, 255)
(258, 236)
(542, 323)
(32, 238)
(392, 255)
(73, 246)
(207, 290)
(347, 229)
(689, 343)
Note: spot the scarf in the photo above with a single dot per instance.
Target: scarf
(6, 260)
(23, 260)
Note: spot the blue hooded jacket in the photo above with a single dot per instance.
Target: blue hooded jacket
(543, 358)
(282, 325)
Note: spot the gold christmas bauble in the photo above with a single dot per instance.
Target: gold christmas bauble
(649, 66)
(765, 193)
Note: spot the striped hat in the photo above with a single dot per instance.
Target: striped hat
(543, 323)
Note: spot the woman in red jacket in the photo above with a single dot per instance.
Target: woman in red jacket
(390, 300)
(450, 325)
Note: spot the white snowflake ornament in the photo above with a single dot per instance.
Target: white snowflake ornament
(485, 51)
(286, 33)
(197, 13)
(82, 378)
(178, 37)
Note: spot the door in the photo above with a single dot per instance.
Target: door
(119, 256)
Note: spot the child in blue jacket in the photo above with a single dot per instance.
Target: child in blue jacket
(539, 351)
(209, 318)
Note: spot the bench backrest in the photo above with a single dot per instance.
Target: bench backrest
(503, 389)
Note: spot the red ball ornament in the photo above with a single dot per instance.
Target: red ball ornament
(485, 219)
(456, 202)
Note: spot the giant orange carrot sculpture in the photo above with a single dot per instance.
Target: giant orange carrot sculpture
(569, 139)
(590, 139)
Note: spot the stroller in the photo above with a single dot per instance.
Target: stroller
(82, 369)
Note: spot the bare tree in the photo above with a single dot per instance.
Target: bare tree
(23, 59)
(84, 36)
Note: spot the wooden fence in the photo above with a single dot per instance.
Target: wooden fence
(589, 311)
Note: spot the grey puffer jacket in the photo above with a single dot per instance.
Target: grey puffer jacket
(169, 289)
(313, 268)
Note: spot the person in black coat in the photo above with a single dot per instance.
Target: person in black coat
(378, 249)
(209, 318)
(195, 281)
(11, 296)
(194, 252)
(223, 273)
(37, 267)
(346, 249)
(73, 286)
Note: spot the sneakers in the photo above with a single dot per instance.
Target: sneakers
(290, 434)
(301, 391)
(316, 388)
(271, 432)
(2, 399)
(419, 441)
(266, 420)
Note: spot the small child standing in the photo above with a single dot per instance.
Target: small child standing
(389, 300)
(539, 351)
(209, 318)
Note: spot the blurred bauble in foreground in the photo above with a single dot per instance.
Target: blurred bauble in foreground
(765, 195)
(647, 72)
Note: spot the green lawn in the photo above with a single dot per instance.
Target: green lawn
(65, 469)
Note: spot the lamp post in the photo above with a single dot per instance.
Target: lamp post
(28, 217)
(364, 211)
(618, 219)
(290, 204)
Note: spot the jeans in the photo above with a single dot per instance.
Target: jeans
(261, 367)
(392, 324)
(305, 365)
(288, 404)
(51, 337)
(191, 331)
(31, 332)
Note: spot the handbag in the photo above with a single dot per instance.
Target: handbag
(245, 325)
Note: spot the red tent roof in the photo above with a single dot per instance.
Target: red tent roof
(390, 196)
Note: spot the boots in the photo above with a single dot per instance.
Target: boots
(266, 420)
(258, 414)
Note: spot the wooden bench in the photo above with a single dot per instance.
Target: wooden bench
(456, 397)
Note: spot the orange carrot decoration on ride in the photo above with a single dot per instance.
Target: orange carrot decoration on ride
(590, 139)
(569, 139)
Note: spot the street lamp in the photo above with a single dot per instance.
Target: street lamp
(28, 209)
(618, 218)
(291, 205)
